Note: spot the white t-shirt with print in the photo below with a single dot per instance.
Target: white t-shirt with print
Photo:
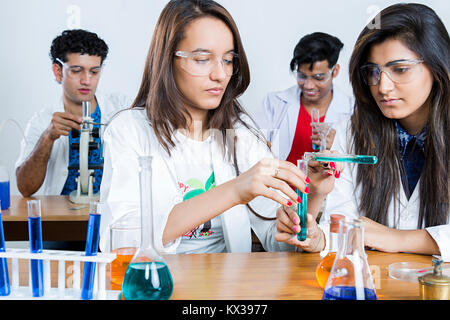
(194, 170)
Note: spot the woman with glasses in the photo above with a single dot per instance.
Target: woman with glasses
(400, 78)
(288, 115)
(208, 160)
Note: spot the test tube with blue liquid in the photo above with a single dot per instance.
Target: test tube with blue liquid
(92, 239)
(4, 275)
(35, 238)
(302, 207)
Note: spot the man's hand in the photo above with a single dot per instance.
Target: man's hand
(61, 124)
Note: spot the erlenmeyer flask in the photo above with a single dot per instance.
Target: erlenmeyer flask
(147, 276)
(350, 277)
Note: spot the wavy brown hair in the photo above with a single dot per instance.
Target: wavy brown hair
(420, 29)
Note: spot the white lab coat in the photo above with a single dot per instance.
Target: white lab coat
(278, 116)
(345, 199)
(57, 171)
(128, 136)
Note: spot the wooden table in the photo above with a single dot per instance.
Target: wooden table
(59, 221)
(270, 275)
(263, 276)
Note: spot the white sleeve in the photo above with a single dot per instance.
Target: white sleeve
(124, 142)
(441, 234)
(33, 131)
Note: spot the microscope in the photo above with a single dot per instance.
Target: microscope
(85, 180)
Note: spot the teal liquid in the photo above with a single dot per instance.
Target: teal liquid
(147, 281)
(355, 159)
(301, 212)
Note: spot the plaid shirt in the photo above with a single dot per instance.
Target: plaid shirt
(412, 151)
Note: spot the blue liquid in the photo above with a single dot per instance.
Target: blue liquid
(91, 250)
(147, 281)
(4, 275)
(301, 212)
(4, 194)
(36, 267)
(347, 293)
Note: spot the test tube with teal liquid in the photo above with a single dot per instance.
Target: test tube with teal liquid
(35, 238)
(5, 289)
(303, 206)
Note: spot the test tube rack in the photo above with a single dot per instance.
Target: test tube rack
(61, 257)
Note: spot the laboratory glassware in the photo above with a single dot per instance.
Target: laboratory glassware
(350, 277)
(324, 267)
(4, 188)
(92, 238)
(302, 206)
(5, 288)
(125, 237)
(315, 120)
(148, 277)
(35, 238)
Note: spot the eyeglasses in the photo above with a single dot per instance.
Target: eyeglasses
(75, 72)
(319, 78)
(203, 63)
(399, 71)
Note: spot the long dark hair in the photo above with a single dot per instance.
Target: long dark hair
(420, 29)
(164, 102)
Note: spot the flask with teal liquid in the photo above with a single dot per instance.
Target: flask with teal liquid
(148, 276)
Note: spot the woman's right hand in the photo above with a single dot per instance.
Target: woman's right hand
(267, 176)
(288, 225)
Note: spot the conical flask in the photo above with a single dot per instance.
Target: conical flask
(350, 277)
(147, 276)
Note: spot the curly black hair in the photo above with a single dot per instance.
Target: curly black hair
(317, 46)
(77, 41)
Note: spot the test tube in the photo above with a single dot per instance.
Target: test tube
(315, 120)
(303, 206)
(4, 275)
(35, 238)
(92, 239)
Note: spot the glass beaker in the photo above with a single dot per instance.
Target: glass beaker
(350, 277)
(148, 276)
(125, 237)
(324, 267)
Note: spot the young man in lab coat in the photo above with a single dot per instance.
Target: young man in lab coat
(286, 115)
(46, 153)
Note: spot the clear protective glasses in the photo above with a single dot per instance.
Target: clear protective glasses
(76, 72)
(203, 63)
(399, 71)
(318, 78)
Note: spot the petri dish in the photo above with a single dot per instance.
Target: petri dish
(408, 271)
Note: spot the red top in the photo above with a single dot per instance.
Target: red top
(302, 139)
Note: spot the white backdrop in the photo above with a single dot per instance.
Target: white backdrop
(270, 30)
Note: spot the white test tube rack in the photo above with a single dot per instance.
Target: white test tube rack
(61, 292)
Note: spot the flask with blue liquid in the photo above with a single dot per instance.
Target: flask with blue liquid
(350, 277)
(4, 188)
(148, 276)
